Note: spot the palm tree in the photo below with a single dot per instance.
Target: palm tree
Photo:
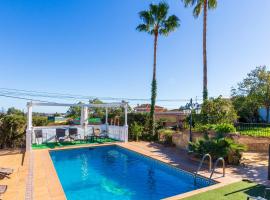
(204, 5)
(156, 22)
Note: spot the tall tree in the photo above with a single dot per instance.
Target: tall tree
(156, 22)
(204, 5)
(256, 87)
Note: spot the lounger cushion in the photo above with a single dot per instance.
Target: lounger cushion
(6, 170)
(3, 189)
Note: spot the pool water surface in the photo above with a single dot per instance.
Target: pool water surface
(115, 173)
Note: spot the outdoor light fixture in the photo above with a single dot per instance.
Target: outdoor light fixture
(191, 106)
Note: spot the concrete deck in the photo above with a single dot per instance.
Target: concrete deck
(47, 185)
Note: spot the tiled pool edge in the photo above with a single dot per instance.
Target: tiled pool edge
(201, 190)
(123, 145)
(46, 182)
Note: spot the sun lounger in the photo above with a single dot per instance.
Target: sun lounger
(96, 133)
(60, 135)
(89, 135)
(266, 191)
(255, 198)
(6, 171)
(3, 189)
(38, 135)
(73, 133)
(99, 134)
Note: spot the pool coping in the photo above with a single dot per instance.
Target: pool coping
(53, 183)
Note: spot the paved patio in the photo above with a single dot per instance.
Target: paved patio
(254, 166)
(16, 182)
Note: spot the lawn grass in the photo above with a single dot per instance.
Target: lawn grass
(53, 145)
(235, 191)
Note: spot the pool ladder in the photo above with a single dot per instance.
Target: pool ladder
(210, 166)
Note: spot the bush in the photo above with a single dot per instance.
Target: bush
(221, 147)
(136, 130)
(216, 111)
(220, 129)
(12, 131)
(142, 119)
(40, 121)
(165, 135)
(224, 128)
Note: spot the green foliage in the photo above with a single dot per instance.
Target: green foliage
(220, 129)
(57, 114)
(217, 111)
(156, 20)
(12, 130)
(14, 111)
(137, 130)
(153, 103)
(253, 92)
(40, 121)
(97, 112)
(219, 147)
(198, 5)
(74, 112)
(224, 128)
(165, 135)
(142, 119)
(247, 108)
(255, 131)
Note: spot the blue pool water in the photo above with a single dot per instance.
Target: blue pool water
(115, 173)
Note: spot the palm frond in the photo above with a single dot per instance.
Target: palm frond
(143, 28)
(212, 4)
(162, 11)
(169, 25)
(188, 3)
(153, 9)
(146, 17)
(198, 9)
(155, 20)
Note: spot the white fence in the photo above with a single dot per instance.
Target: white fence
(118, 132)
(49, 132)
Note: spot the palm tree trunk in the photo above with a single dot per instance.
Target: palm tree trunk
(154, 87)
(205, 90)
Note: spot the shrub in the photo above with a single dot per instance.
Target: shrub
(224, 128)
(221, 147)
(165, 135)
(136, 129)
(12, 130)
(40, 121)
(142, 119)
(216, 111)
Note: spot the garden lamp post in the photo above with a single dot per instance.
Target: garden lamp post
(191, 106)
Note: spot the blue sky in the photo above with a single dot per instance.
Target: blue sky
(92, 48)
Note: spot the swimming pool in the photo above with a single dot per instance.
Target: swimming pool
(115, 173)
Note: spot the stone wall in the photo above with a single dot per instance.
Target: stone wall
(257, 144)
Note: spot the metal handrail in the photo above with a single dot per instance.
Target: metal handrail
(201, 163)
(223, 163)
